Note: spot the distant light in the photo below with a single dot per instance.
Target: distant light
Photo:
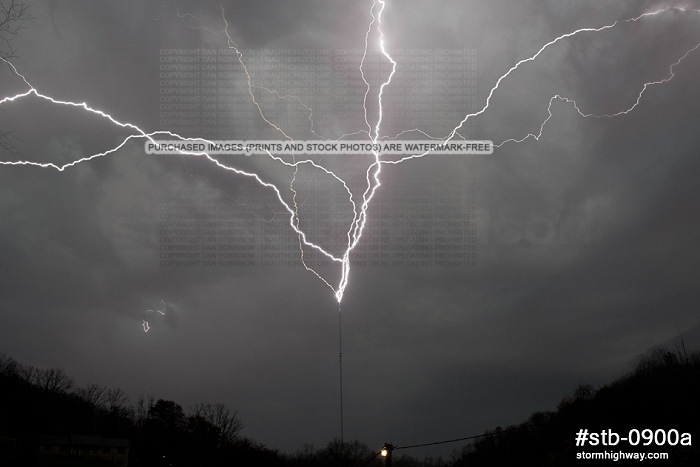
(384, 452)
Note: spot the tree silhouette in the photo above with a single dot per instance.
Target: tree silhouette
(163, 430)
(53, 380)
(94, 394)
(661, 393)
(221, 417)
(38, 404)
(13, 15)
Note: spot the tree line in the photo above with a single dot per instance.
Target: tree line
(37, 402)
(661, 392)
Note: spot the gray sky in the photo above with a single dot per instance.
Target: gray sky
(586, 251)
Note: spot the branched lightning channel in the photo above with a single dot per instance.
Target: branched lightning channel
(184, 17)
(353, 237)
(296, 221)
(373, 132)
(374, 169)
(149, 136)
(295, 164)
(591, 115)
(362, 67)
(232, 45)
(539, 52)
(308, 109)
(534, 57)
(298, 228)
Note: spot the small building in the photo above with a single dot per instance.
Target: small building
(86, 449)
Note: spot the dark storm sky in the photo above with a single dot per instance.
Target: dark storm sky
(428, 353)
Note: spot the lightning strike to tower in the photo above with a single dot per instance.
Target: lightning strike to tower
(373, 131)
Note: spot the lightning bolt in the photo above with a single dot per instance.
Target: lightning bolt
(373, 131)
(373, 170)
(535, 56)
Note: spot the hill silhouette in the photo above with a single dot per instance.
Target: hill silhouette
(662, 393)
(47, 421)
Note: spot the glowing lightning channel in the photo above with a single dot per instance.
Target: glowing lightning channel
(295, 216)
(294, 222)
(150, 137)
(359, 221)
(353, 238)
(295, 164)
(591, 115)
(535, 56)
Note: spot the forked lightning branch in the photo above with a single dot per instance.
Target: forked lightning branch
(382, 149)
